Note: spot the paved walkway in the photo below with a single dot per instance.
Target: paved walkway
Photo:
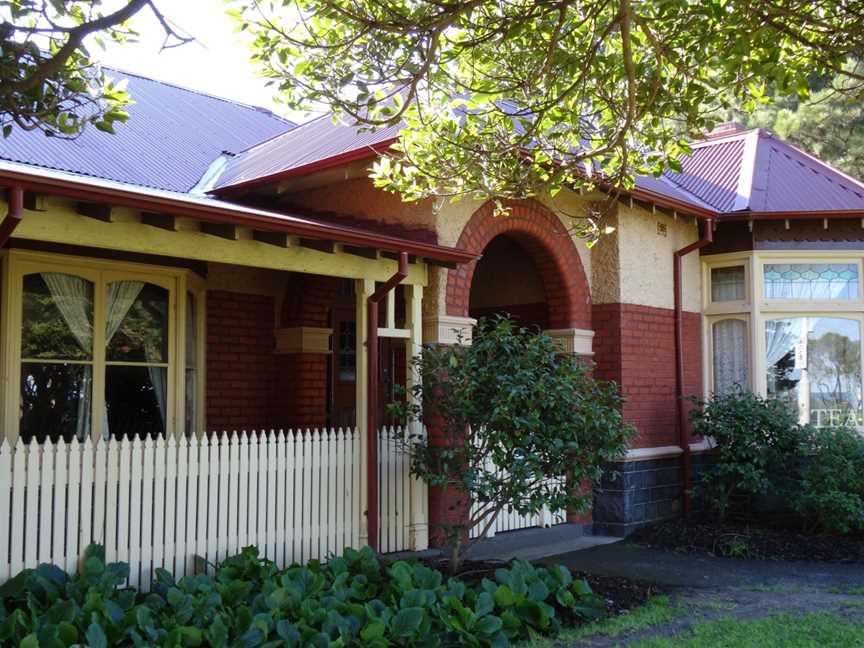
(535, 544)
(702, 588)
(692, 571)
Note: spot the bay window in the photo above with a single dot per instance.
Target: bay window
(97, 349)
(799, 339)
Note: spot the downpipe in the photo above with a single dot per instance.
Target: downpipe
(680, 413)
(15, 198)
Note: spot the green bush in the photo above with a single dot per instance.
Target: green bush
(519, 426)
(831, 492)
(757, 443)
(353, 600)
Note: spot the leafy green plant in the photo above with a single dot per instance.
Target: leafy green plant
(353, 600)
(755, 438)
(516, 424)
(831, 493)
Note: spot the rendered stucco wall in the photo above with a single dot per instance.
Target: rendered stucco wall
(646, 245)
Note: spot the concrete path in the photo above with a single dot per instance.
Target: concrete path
(692, 571)
(535, 544)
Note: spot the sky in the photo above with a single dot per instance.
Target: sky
(218, 63)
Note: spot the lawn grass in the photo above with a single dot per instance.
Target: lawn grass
(821, 630)
(658, 609)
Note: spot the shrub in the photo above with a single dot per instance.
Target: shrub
(353, 600)
(831, 492)
(522, 426)
(757, 443)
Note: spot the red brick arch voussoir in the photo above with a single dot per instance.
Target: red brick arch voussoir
(548, 243)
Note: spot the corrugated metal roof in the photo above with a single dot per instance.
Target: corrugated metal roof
(756, 171)
(797, 181)
(309, 143)
(665, 187)
(172, 136)
(712, 173)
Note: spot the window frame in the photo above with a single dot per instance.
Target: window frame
(19, 263)
(757, 311)
(733, 306)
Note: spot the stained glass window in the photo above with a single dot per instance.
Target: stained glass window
(805, 281)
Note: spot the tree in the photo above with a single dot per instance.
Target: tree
(829, 124)
(50, 82)
(505, 99)
(515, 424)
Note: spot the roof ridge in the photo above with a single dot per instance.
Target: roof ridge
(202, 93)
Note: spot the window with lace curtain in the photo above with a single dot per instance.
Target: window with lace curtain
(98, 352)
(730, 355)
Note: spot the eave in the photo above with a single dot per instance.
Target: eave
(210, 210)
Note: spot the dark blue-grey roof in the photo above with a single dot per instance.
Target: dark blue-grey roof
(172, 137)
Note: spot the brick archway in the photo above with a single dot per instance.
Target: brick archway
(547, 241)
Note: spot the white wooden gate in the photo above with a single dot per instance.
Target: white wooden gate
(294, 495)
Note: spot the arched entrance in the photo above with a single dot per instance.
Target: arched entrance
(506, 281)
(521, 254)
(529, 267)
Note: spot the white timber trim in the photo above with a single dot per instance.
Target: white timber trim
(573, 340)
(445, 329)
(660, 452)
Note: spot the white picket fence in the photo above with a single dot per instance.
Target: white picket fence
(294, 495)
(509, 520)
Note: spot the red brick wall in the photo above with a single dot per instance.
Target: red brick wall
(240, 361)
(301, 378)
(635, 346)
(301, 385)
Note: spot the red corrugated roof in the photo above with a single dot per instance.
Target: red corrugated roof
(712, 173)
(303, 150)
(753, 170)
(733, 171)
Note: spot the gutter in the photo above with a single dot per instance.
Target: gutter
(791, 215)
(372, 396)
(15, 198)
(680, 414)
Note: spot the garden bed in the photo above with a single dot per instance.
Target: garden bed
(748, 541)
(619, 594)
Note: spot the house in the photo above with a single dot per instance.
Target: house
(188, 308)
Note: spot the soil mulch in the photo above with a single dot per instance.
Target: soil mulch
(745, 541)
(620, 594)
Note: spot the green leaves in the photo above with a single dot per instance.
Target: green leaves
(352, 601)
(584, 85)
(96, 636)
(51, 83)
(406, 622)
(522, 424)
